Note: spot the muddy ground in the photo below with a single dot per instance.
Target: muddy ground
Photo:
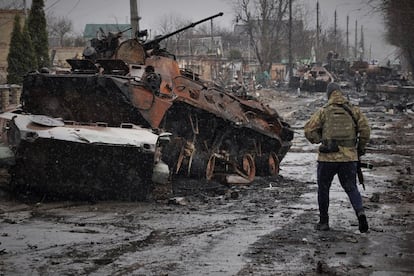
(266, 228)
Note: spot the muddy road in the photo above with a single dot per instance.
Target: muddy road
(265, 228)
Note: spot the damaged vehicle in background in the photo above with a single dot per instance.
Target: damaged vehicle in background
(317, 79)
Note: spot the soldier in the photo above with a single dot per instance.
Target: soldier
(358, 81)
(364, 81)
(311, 82)
(343, 131)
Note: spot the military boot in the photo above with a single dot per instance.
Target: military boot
(323, 224)
(362, 221)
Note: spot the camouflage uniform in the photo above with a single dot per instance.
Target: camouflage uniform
(342, 162)
(313, 132)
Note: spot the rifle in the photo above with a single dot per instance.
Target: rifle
(359, 164)
(359, 171)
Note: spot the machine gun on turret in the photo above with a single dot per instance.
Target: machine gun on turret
(154, 43)
(103, 46)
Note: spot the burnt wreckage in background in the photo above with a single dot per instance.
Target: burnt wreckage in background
(214, 135)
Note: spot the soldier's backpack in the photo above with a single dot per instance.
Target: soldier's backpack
(339, 126)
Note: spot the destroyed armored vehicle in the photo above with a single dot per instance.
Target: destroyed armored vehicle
(214, 134)
(317, 79)
(62, 159)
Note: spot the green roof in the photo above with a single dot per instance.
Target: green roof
(93, 30)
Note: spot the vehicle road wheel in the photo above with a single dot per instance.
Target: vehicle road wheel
(273, 163)
(203, 166)
(248, 167)
(267, 164)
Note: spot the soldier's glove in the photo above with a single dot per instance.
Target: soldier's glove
(329, 147)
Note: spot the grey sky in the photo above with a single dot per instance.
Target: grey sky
(372, 24)
(152, 11)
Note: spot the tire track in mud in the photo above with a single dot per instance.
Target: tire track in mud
(155, 239)
(211, 247)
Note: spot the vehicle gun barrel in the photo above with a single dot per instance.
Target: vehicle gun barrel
(153, 43)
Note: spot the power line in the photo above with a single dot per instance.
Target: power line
(51, 6)
(74, 7)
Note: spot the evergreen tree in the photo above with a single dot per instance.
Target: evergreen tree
(30, 61)
(38, 33)
(15, 68)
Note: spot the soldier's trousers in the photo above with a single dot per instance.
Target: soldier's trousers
(346, 172)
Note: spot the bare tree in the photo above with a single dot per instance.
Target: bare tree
(263, 20)
(302, 33)
(59, 27)
(11, 4)
(399, 21)
(170, 24)
(232, 46)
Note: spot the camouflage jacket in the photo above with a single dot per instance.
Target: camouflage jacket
(313, 131)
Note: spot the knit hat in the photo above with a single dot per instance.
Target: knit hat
(332, 86)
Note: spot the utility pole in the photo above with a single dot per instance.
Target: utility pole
(211, 35)
(347, 36)
(317, 31)
(248, 51)
(25, 9)
(356, 40)
(290, 43)
(370, 52)
(133, 6)
(335, 34)
(362, 43)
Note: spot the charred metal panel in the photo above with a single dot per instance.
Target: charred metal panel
(81, 98)
(59, 169)
(242, 113)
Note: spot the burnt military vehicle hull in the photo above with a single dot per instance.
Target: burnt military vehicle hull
(65, 160)
(214, 135)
